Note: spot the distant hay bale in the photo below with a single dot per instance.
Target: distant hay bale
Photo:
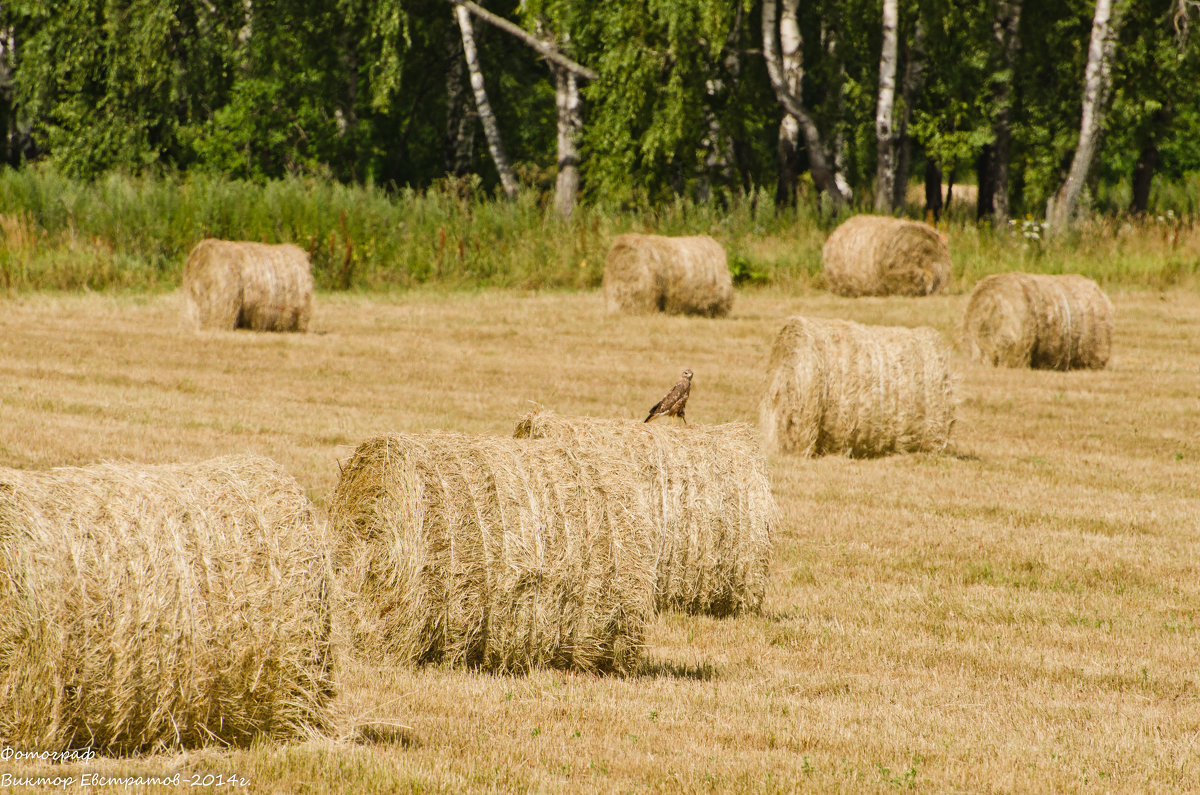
(880, 255)
(1032, 320)
(156, 607)
(492, 553)
(834, 386)
(709, 498)
(676, 275)
(230, 285)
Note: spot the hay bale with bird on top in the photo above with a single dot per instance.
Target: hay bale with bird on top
(233, 284)
(156, 607)
(676, 275)
(835, 386)
(1060, 322)
(492, 553)
(881, 255)
(709, 497)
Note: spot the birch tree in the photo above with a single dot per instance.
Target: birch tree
(570, 123)
(1097, 84)
(885, 169)
(792, 64)
(483, 106)
(823, 172)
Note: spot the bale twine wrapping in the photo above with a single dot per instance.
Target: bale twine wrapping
(229, 285)
(834, 386)
(709, 498)
(492, 553)
(880, 255)
(677, 275)
(156, 607)
(1032, 320)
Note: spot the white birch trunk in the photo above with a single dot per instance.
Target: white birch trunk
(570, 122)
(1097, 82)
(885, 144)
(486, 117)
(793, 75)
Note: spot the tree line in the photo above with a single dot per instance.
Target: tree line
(1040, 105)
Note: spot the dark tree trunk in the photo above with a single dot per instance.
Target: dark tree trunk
(788, 155)
(1006, 32)
(914, 77)
(985, 169)
(1143, 175)
(459, 140)
(933, 192)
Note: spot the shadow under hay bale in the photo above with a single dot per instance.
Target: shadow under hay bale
(231, 284)
(676, 275)
(834, 386)
(1033, 320)
(709, 498)
(880, 255)
(492, 553)
(158, 607)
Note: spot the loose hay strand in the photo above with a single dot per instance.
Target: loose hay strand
(233, 284)
(487, 552)
(834, 386)
(880, 255)
(1057, 322)
(677, 275)
(710, 501)
(161, 606)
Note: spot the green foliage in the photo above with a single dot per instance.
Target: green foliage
(356, 90)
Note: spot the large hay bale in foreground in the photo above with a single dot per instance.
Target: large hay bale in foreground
(154, 607)
(232, 284)
(709, 498)
(880, 255)
(677, 275)
(834, 386)
(492, 553)
(1032, 320)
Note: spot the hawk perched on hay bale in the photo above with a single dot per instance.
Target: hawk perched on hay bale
(673, 404)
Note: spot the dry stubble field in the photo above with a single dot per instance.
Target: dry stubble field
(1016, 614)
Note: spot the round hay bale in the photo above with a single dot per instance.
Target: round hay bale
(1033, 320)
(880, 255)
(677, 275)
(492, 553)
(709, 498)
(155, 607)
(230, 285)
(834, 386)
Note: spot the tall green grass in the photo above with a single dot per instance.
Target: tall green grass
(134, 233)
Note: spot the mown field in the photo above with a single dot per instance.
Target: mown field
(1015, 614)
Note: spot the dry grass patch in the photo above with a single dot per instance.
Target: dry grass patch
(1016, 613)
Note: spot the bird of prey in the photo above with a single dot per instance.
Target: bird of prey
(675, 401)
